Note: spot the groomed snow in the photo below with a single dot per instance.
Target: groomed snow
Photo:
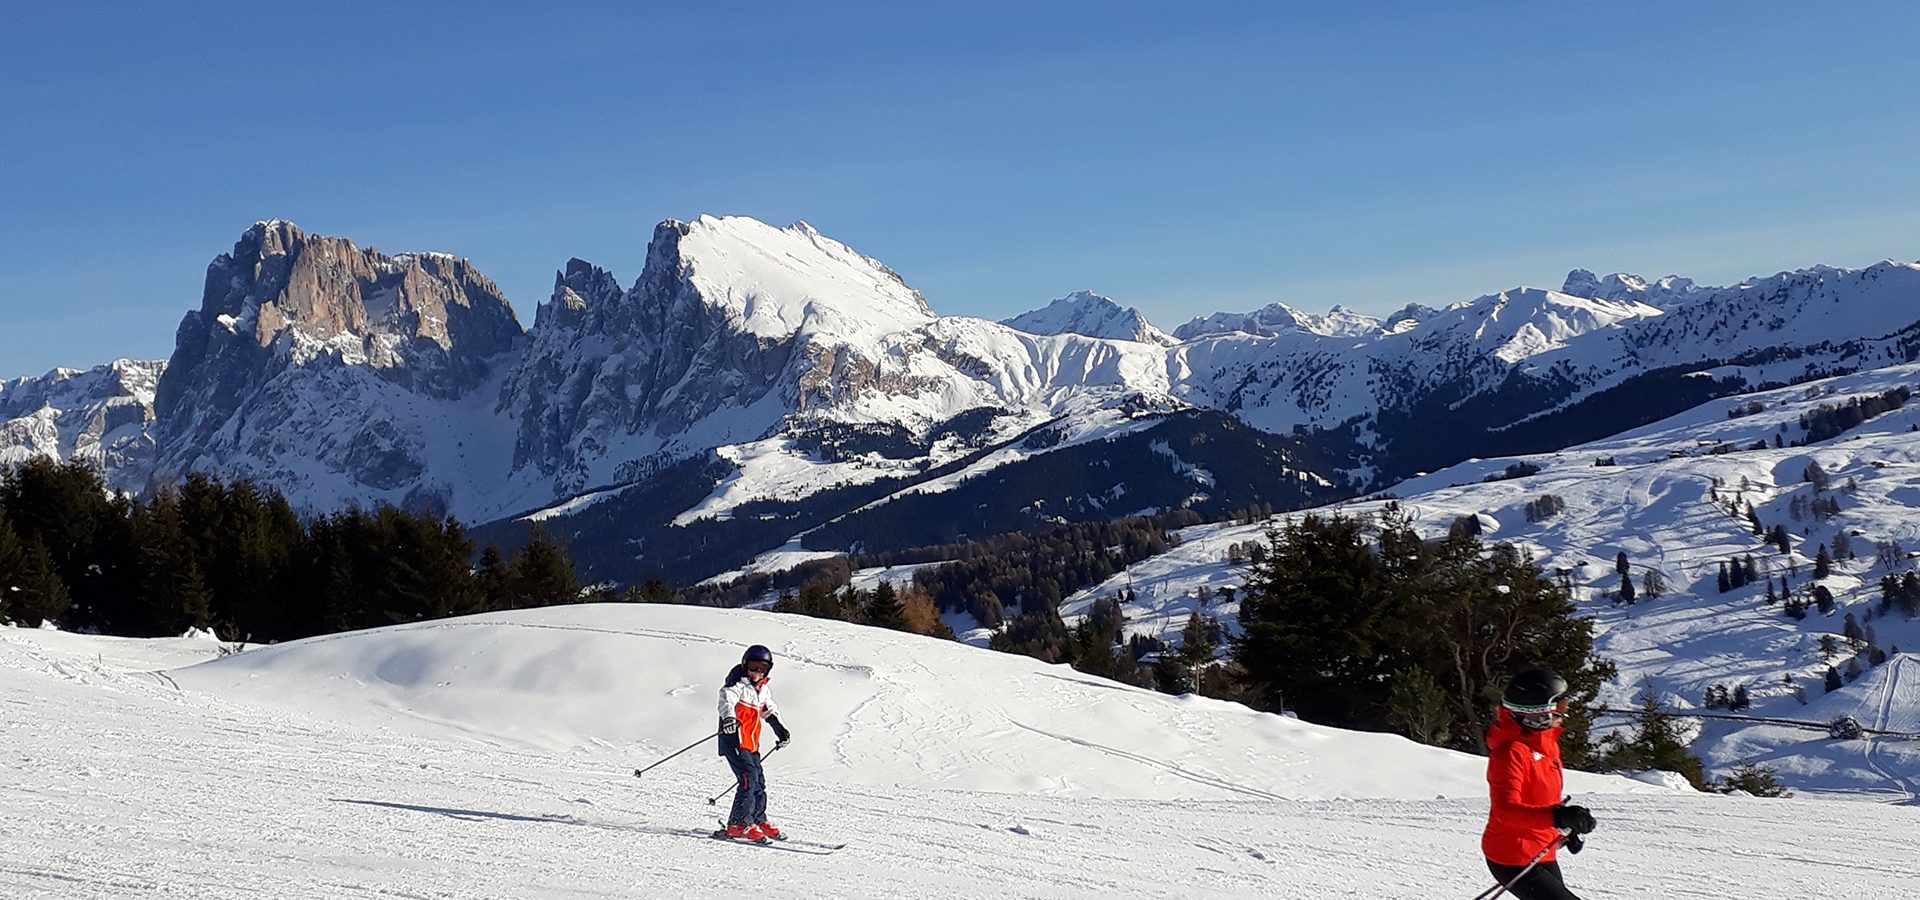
(492, 757)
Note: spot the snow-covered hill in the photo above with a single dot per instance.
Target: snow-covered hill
(491, 758)
(1661, 498)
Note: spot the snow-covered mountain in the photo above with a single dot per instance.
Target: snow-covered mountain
(1092, 315)
(100, 416)
(1660, 494)
(1279, 318)
(754, 385)
(492, 757)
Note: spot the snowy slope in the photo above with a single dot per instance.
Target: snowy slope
(1656, 505)
(303, 781)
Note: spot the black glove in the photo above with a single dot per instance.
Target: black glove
(729, 725)
(779, 731)
(1574, 843)
(1574, 819)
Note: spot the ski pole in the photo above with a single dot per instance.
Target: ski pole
(715, 799)
(1498, 889)
(638, 772)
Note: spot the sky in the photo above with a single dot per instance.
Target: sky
(996, 155)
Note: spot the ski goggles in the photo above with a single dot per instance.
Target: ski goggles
(1538, 717)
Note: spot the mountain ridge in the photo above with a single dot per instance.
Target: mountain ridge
(344, 376)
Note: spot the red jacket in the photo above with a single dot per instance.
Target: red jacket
(1523, 775)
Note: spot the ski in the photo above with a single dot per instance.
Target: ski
(808, 847)
(829, 848)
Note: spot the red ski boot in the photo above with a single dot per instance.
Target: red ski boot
(767, 829)
(746, 833)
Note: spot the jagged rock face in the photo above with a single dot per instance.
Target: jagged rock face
(732, 329)
(427, 321)
(630, 369)
(305, 350)
(99, 416)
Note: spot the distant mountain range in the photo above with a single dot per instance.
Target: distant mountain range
(759, 387)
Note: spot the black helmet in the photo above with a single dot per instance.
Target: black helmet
(1533, 695)
(758, 653)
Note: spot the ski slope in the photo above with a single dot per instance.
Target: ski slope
(491, 757)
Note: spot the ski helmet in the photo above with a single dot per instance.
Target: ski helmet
(1534, 697)
(758, 653)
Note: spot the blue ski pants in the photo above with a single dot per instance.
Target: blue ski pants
(750, 801)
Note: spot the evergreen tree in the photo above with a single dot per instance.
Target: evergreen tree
(1741, 700)
(1822, 564)
(1755, 779)
(883, 608)
(1332, 623)
(36, 593)
(1620, 564)
(1626, 589)
(493, 579)
(1657, 743)
(1780, 540)
(1653, 584)
(1199, 640)
(1749, 571)
(1723, 581)
(1171, 675)
(542, 574)
(1833, 680)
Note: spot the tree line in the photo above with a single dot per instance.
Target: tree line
(239, 560)
(1367, 625)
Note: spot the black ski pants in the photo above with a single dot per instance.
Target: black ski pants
(750, 801)
(1543, 883)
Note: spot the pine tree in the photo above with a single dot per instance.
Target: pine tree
(1780, 540)
(883, 608)
(1626, 589)
(1171, 675)
(1749, 571)
(36, 592)
(542, 574)
(1723, 581)
(1652, 584)
(1620, 564)
(1657, 744)
(1822, 564)
(1199, 640)
(1741, 700)
(492, 578)
(1833, 680)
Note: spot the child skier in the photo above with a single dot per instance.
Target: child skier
(746, 701)
(1529, 818)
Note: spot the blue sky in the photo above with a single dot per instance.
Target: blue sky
(996, 155)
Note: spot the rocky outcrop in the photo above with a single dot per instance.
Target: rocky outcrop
(427, 321)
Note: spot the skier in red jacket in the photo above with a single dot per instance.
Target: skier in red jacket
(1529, 818)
